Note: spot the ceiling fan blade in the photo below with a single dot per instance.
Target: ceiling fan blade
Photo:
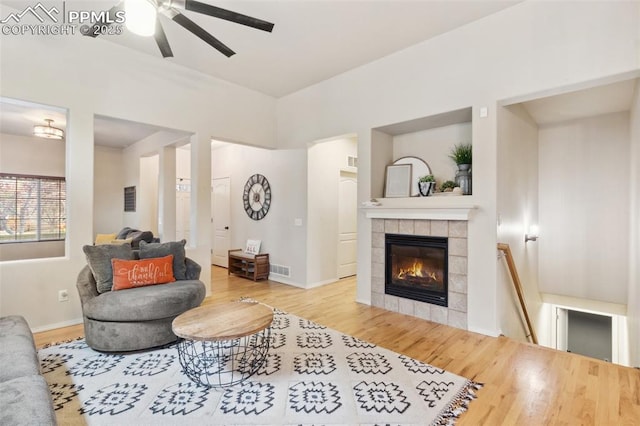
(197, 30)
(217, 12)
(95, 27)
(161, 40)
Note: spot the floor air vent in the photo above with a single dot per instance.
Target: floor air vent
(280, 270)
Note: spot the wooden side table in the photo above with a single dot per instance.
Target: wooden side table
(223, 344)
(252, 266)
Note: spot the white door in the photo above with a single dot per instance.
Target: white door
(221, 212)
(347, 224)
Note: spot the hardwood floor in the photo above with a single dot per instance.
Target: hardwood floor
(524, 384)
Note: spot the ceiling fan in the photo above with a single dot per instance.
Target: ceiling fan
(145, 13)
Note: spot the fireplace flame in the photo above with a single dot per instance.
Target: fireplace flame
(416, 271)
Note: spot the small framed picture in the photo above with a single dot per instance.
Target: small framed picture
(253, 247)
(398, 183)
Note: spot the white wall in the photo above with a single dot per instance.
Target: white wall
(286, 172)
(29, 155)
(504, 55)
(94, 76)
(108, 190)
(18, 157)
(517, 209)
(633, 303)
(584, 208)
(325, 160)
(434, 147)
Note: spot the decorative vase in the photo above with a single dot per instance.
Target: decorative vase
(463, 178)
(426, 188)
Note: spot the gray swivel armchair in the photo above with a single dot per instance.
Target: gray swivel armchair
(136, 318)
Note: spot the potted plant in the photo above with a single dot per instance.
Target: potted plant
(447, 186)
(426, 184)
(461, 154)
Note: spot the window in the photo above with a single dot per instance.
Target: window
(32, 208)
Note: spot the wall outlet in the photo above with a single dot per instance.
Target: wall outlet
(63, 296)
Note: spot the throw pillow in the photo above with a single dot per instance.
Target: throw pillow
(138, 236)
(127, 241)
(124, 232)
(176, 248)
(99, 260)
(139, 273)
(104, 238)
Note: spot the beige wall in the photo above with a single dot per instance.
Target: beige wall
(584, 174)
(517, 204)
(324, 162)
(108, 188)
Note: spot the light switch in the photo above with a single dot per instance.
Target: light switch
(484, 112)
(297, 221)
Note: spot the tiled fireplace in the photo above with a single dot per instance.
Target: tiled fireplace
(455, 232)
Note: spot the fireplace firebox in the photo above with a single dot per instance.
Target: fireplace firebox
(416, 267)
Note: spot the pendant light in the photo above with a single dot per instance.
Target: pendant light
(48, 131)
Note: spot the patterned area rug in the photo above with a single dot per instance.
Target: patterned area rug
(312, 375)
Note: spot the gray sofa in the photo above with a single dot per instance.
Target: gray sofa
(24, 393)
(136, 318)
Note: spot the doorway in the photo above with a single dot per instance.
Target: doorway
(347, 223)
(588, 333)
(221, 215)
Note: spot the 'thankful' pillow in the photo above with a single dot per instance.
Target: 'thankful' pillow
(139, 273)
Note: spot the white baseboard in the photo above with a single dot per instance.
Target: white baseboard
(321, 283)
(57, 325)
(492, 333)
(283, 280)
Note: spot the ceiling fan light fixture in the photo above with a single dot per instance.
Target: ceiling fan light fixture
(141, 16)
(48, 131)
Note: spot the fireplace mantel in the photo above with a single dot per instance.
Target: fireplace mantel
(431, 208)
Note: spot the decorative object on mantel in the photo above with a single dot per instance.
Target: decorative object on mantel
(419, 168)
(371, 203)
(398, 182)
(462, 155)
(455, 192)
(427, 185)
(448, 186)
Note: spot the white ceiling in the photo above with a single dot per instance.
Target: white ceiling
(606, 99)
(312, 40)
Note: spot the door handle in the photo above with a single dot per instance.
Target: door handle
(226, 227)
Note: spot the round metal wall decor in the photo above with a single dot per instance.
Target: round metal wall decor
(257, 197)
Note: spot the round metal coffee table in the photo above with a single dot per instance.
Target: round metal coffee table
(224, 344)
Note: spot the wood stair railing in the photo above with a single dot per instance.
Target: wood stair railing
(518, 286)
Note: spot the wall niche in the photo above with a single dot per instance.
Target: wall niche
(429, 138)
